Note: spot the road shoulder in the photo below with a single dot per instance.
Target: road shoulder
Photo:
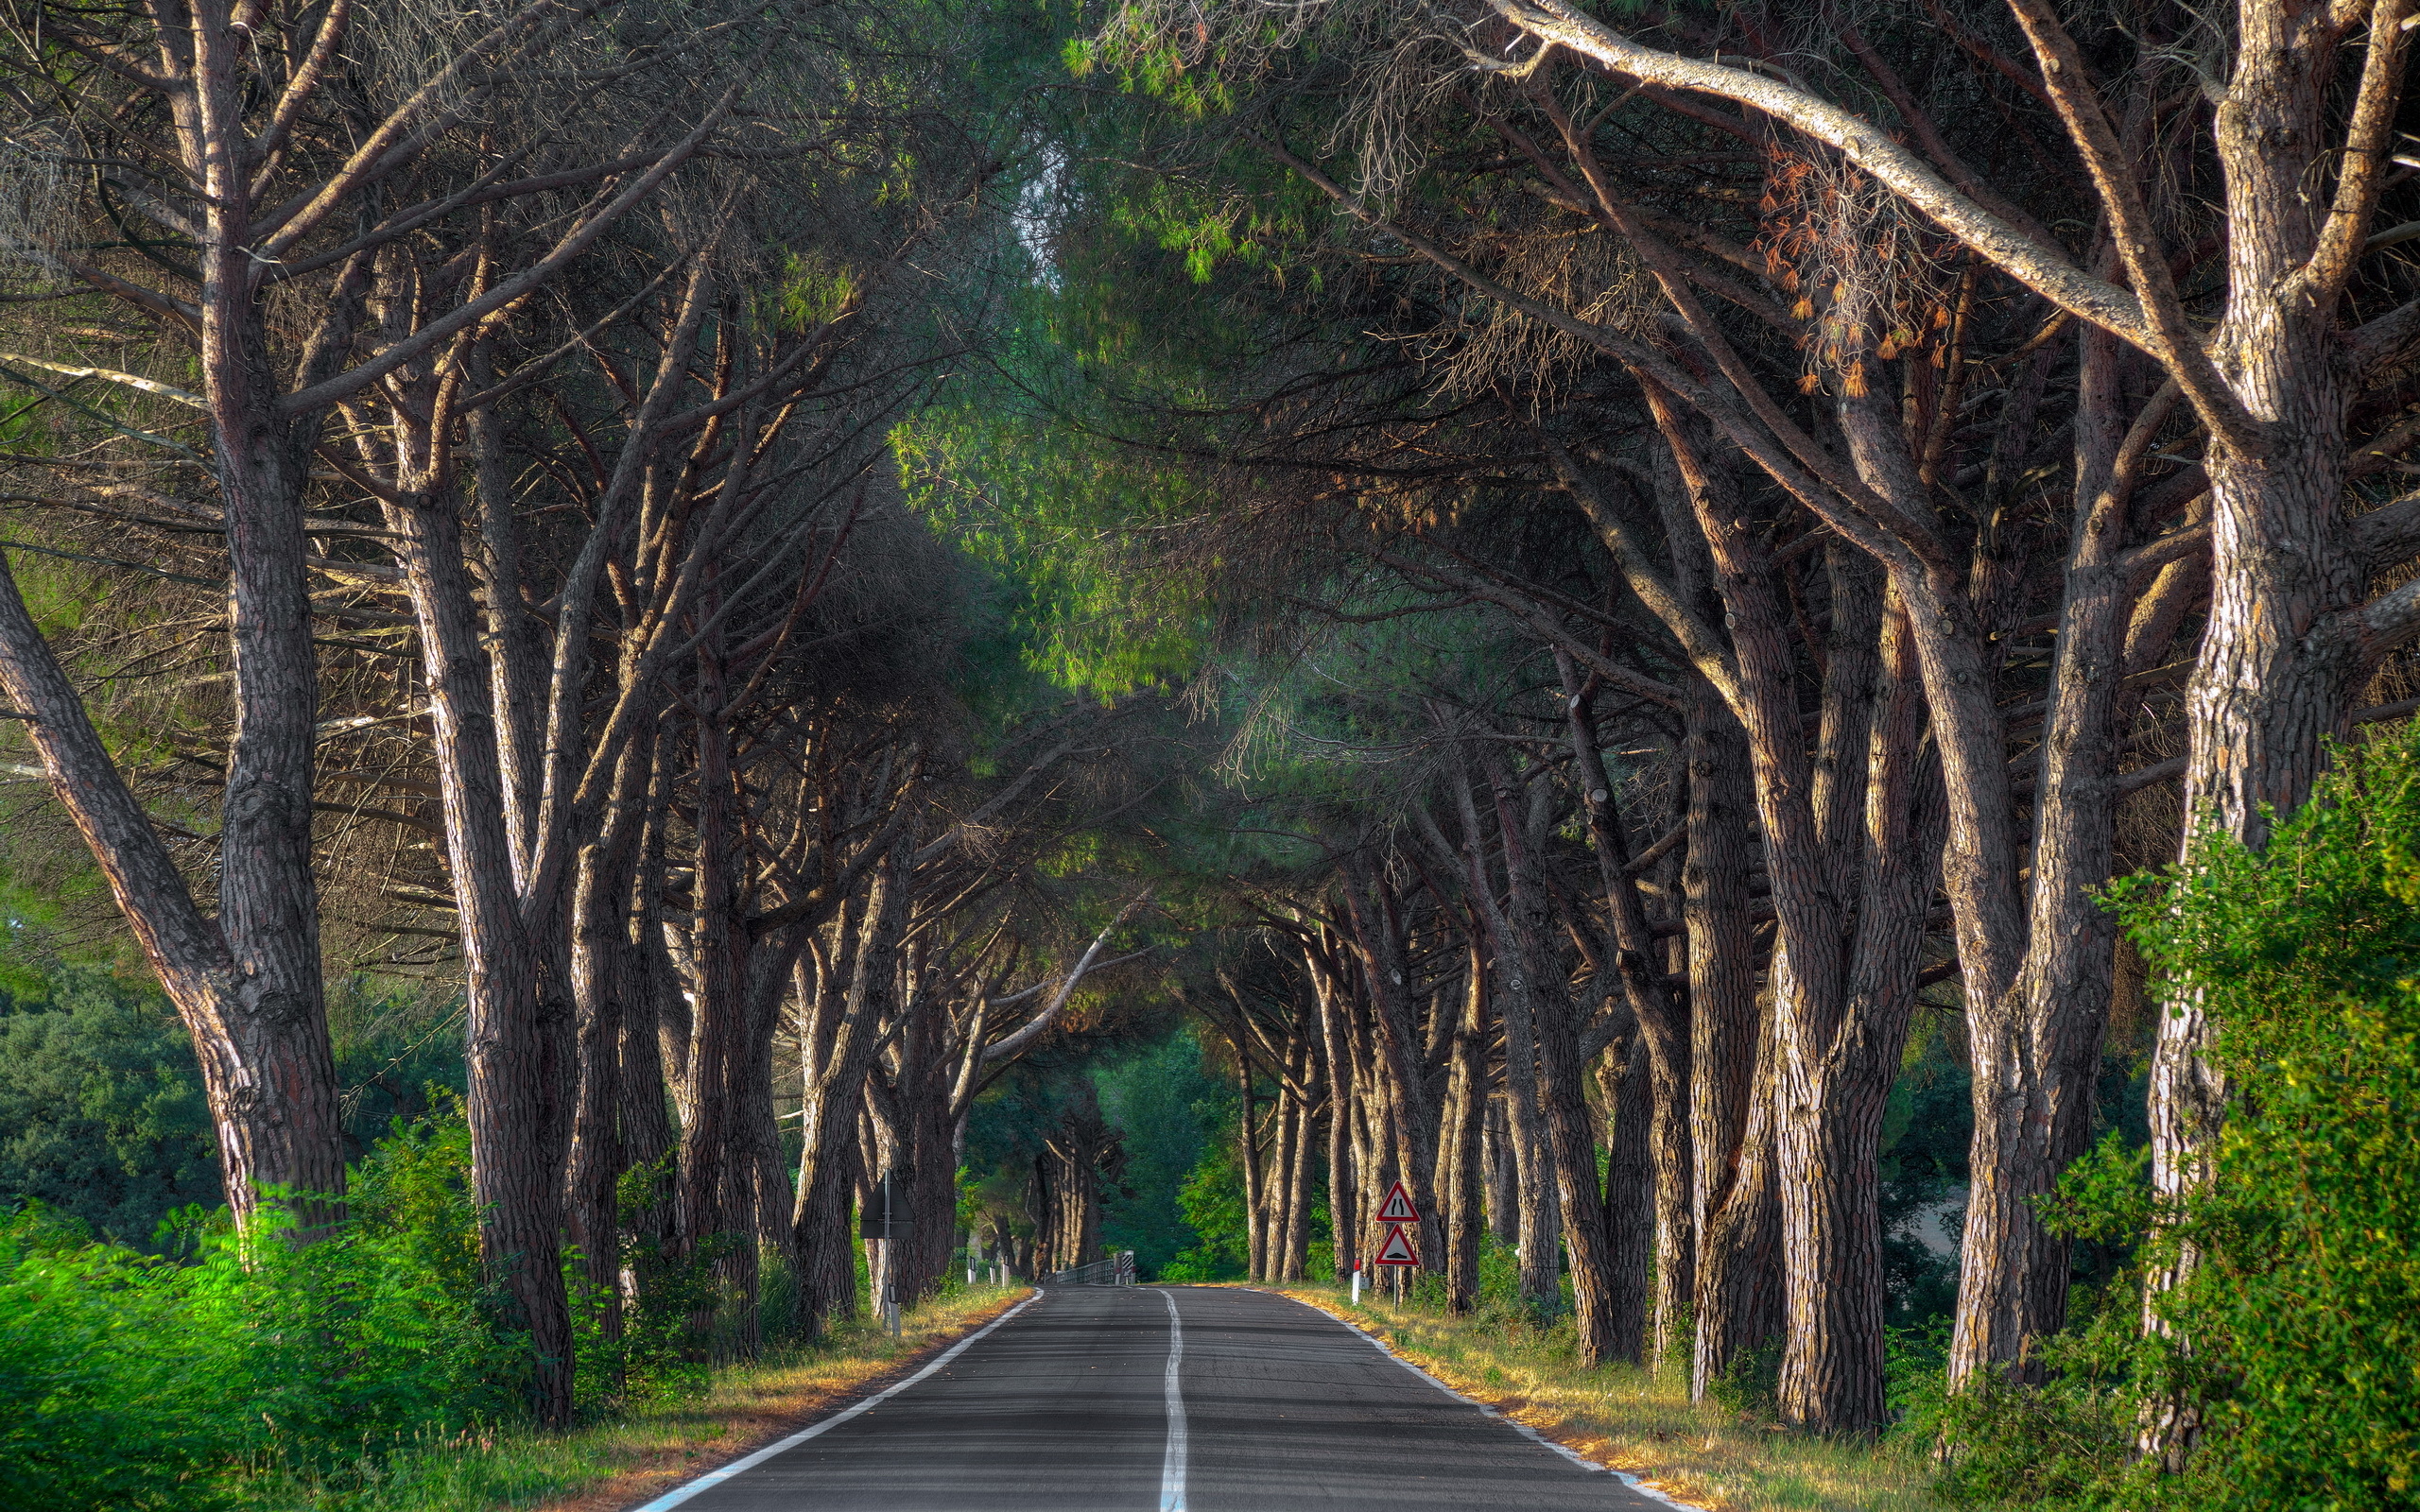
(1594, 1450)
(665, 1444)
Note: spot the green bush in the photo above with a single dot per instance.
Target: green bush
(2297, 1339)
(188, 1381)
(102, 1116)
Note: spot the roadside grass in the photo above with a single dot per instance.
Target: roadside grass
(654, 1443)
(1639, 1420)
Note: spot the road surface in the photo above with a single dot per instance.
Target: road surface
(1178, 1398)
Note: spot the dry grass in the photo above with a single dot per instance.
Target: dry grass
(1638, 1421)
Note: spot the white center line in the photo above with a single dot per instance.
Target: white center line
(1173, 1467)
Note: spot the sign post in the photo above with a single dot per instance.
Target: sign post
(1398, 1249)
(885, 1217)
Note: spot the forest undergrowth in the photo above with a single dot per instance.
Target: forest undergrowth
(375, 1370)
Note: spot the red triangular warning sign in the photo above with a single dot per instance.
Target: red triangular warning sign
(1398, 1208)
(1397, 1250)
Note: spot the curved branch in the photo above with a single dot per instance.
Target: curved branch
(1035, 1027)
(2043, 269)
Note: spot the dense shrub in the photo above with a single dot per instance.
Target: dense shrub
(2299, 1334)
(101, 1110)
(136, 1380)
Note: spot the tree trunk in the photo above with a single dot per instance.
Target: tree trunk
(1623, 1082)
(1459, 1152)
(1833, 1088)
(1377, 931)
(259, 1029)
(1342, 1178)
(2036, 1051)
(1723, 1024)
(520, 1052)
(1740, 1273)
(1534, 983)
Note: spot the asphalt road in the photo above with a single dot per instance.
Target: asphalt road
(1180, 1398)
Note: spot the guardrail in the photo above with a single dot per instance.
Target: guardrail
(1117, 1270)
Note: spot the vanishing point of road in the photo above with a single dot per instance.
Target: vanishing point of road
(1097, 1399)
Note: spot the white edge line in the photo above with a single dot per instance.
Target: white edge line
(715, 1477)
(1522, 1428)
(1172, 1465)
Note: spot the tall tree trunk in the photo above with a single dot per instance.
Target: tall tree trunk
(1723, 1019)
(258, 1022)
(1536, 982)
(519, 1043)
(2036, 1051)
(1343, 1092)
(2285, 640)
(1377, 931)
(1460, 1151)
(1833, 1092)
(1624, 1085)
(1248, 1161)
(1498, 1168)
(716, 1190)
(842, 1042)
(1739, 1271)
(1663, 1026)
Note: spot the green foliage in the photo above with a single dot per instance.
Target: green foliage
(1152, 1098)
(102, 1117)
(1211, 1200)
(2296, 1336)
(143, 1381)
(1925, 1128)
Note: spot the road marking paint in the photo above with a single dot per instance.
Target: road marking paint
(1522, 1428)
(1172, 1465)
(712, 1477)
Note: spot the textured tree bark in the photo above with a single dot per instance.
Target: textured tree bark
(1535, 983)
(1525, 1075)
(925, 1074)
(603, 906)
(1294, 1221)
(247, 983)
(2279, 659)
(1498, 1167)
(262, 1046)
(841, 1044)
(1832, 1093)
(1248, 1161)
(1459, 1152)
(1662, 1025)
(1623, 1077)
(1343, 1092)
(1378, 933)
(518, 1034)
(646, 1115)
(1723, 1029)
(717, 1191)
(2036, 1051)
(1739, 1273)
